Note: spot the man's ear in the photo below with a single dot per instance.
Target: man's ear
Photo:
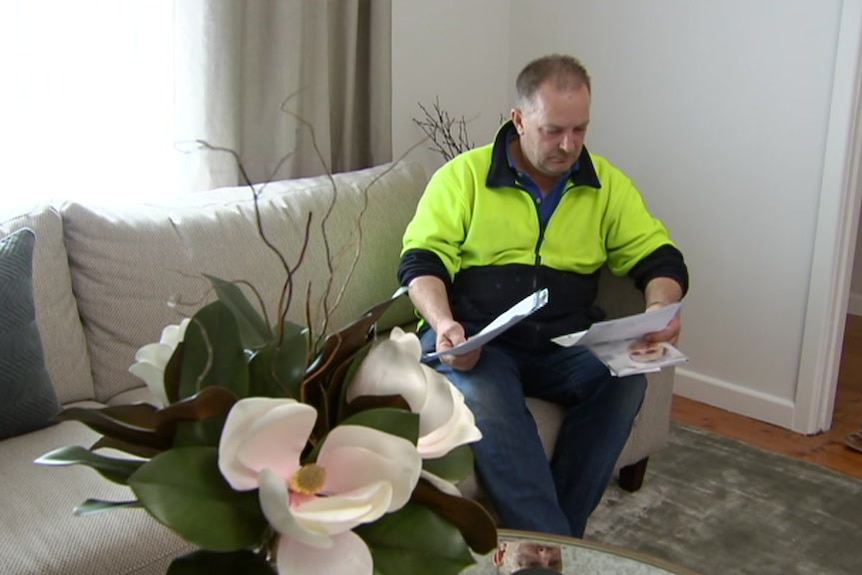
(518, 120)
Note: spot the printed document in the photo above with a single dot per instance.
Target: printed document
(504, 321)
(620, 345)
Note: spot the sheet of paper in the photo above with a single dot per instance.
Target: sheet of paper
(626, 328)
(504, 321)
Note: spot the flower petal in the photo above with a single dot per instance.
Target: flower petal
(355, 456)
(439, 403)
(392, 368)
(262, 433)
(349, 556)
(458, 430)
(154, 377)
(275, 503)
(443, 485)
(172, 335)
(339, 513)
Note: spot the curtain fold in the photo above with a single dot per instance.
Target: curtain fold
(272, 80)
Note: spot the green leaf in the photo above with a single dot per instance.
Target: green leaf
(206, 433)
(213, 353)
(417, 541)
(455, 466)
(212, 402)
(400, 422)
(111, 468)
(477, 527)
(134, 423)
(184, 489)
(254, 331)
(213, 563)
(93, 506)
(277, 370)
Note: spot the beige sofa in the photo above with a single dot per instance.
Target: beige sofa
(103, 277)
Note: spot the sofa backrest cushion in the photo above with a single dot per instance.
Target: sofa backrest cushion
(56, 311)
(128, 263)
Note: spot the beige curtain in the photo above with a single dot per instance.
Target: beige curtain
(269, 79)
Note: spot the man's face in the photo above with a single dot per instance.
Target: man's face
(552, 128)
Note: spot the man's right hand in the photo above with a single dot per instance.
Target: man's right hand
(449, 334)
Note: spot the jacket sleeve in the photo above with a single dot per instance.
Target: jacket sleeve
(420, 262)
(433, 239)
(667, 261)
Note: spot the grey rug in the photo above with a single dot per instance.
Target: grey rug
(721, 507)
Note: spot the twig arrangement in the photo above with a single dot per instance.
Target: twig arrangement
(448, 134)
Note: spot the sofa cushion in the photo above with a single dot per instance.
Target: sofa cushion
(42, 536)
(27, 398)
(56, 311)
(128, 263)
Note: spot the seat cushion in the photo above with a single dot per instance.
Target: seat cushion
(40, 535)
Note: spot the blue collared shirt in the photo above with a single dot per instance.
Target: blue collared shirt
(549, 203)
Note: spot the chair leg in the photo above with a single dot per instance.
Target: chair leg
(632, 476)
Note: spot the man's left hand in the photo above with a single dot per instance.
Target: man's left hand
(670, 333)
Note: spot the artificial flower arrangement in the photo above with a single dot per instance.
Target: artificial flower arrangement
(272, 450)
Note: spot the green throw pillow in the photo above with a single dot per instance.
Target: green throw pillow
(27, 397)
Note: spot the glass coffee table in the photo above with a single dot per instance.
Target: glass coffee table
(521, 549)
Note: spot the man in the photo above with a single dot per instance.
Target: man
(536, 210)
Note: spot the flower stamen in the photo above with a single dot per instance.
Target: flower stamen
(308, 479)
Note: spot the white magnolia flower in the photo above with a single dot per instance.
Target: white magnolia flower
(360, 474)
(151, 359)
(393, 368)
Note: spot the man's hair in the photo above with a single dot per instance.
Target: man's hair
(567, 73)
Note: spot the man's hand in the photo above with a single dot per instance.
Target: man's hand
(449, 334)
(659, 292)
(670, 333)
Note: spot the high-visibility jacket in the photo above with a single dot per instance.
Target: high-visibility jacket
(482, 232)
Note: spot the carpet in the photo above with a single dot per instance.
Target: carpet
(718, 506)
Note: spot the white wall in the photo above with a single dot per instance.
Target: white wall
(457, 50)
(719, 110)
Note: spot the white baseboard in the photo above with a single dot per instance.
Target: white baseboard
(734, 398)
(854, 304)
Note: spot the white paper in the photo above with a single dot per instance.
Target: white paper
(619, 343)
(630, 327)
(504, 321)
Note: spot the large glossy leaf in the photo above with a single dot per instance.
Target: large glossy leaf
(134, 423)
(213, 353)
(253, 329)
(206, 433)
(212, 401)
(344, 344)
(455, 466)
(93, 506)
(400, 422)
(111, 468)
(174, 372)
(415, 540)
(475, 524)
(203, 562)
(106, 442)
(183, 489)
(278, 369)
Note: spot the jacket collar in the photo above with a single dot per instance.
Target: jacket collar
(501, 174)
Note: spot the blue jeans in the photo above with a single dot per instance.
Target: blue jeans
(527, 491)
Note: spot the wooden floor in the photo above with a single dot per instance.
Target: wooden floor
(826, 448)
